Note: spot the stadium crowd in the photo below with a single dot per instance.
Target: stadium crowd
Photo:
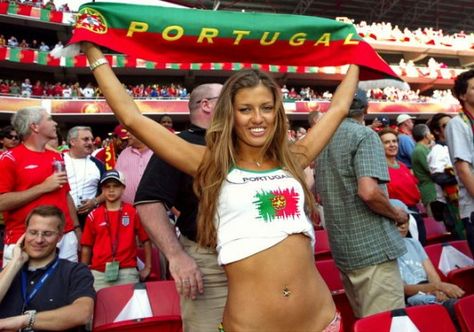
(65, 90)
(86, 213)
(386, 32)
(46, 89)
(46, 4)
(420, 142)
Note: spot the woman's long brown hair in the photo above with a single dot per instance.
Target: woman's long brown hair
(221, 153)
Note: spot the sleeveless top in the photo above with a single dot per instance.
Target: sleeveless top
(257, 210)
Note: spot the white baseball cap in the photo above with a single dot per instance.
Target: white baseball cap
(403, 117)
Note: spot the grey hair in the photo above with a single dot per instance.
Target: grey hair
(420, 131)
(74, 132)
(25, 117)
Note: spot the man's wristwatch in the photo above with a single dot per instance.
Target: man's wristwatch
(31, 320)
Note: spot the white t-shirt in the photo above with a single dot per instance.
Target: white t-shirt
(257, 210)
(83, 176)
(438, 159)
(459, 137)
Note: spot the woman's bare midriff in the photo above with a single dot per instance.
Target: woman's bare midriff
(278, 289)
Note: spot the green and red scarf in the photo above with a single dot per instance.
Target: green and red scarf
(175, 35)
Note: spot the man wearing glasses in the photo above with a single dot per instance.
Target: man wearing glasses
(33, 175)
(9, 138)
(38, 290)
(83, 171)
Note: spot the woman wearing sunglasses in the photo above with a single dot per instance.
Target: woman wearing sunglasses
(9, 138)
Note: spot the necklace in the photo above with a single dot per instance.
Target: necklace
(258, 163)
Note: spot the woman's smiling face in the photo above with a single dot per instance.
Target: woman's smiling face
(254, 116)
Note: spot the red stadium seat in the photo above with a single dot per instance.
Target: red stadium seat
(427, 318)
(330, 273)
(434, 253)
(155, 273)
(465, 313)
(164, 303)
(435, 231)
(322, 250)
(464, 278)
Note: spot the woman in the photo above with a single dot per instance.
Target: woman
(403, 184)
(9, 138)
(273, 284)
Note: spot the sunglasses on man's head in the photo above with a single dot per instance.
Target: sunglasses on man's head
(10, 136)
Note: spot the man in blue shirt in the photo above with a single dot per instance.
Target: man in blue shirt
(38, 290)
(406, 143)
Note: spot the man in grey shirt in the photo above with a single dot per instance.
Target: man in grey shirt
(460, 140)
(361, 222)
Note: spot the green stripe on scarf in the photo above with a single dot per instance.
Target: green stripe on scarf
(173, 35)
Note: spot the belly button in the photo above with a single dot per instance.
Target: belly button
(286, 292)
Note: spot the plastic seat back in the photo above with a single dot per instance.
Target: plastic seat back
(434, 253)
(322, 250)
(435, 231)
(164, 303)
(330, 273)
(465, 313)
(155, 274)
(427, 318)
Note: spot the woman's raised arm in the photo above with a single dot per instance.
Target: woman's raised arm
(169, 147)
(320, 135)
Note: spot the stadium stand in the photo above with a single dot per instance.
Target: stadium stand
(430, 78)
(465, 313)
(428, 59)
(163, 301)
(426, 318)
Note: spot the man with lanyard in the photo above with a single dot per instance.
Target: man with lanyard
(83, 171)
(38, 290)
(460, 140)
(199, 279)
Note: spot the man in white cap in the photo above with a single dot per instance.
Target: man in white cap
(406, 143)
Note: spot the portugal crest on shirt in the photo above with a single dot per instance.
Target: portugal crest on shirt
(277, 204)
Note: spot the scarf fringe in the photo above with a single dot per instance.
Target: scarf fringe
(68, 51)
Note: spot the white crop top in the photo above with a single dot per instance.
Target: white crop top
(256, 210)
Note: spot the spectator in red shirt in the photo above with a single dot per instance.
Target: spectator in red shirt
(403, 184)
(4, 87)
(58, 90)
(109, 238)
(37, 90)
